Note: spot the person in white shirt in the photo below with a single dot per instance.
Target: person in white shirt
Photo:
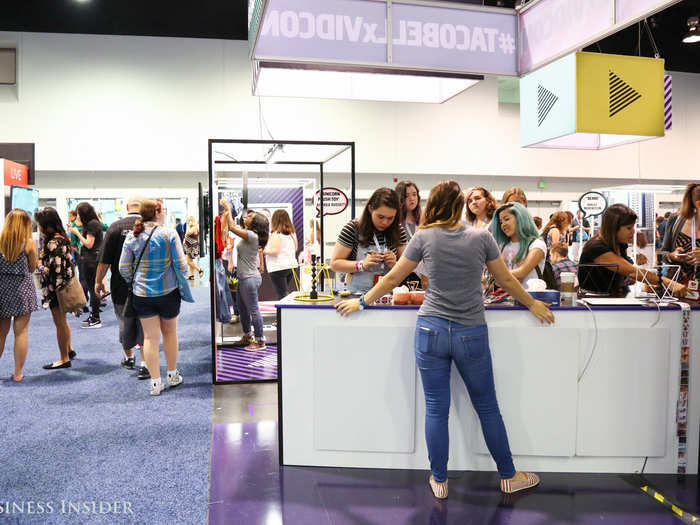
(522, 248)
(480, 207)
(280, 253)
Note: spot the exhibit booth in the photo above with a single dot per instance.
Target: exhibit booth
(265, 176)
(604, 389)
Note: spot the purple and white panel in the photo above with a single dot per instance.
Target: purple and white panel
(668, 102)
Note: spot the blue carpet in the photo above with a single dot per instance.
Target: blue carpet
(91, 433)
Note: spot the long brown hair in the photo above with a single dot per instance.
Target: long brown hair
(16, 231)
(614, 218)
(281, 223)
(445, 205)
(690, 197)
(401, 189)
(516, 194)
(558, 220)
(491, 203)
(381, 197)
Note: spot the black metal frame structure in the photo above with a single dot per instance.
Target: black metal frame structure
(343, 147)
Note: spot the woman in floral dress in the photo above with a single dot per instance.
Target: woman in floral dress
(57, 269)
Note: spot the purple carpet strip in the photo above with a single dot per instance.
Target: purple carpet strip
(239, 364)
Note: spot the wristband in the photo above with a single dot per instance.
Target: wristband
(363, 305)
(358, 266)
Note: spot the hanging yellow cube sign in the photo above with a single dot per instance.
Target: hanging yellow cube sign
(593, 101)
(620, 94)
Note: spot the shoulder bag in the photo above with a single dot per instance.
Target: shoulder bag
(71, 297)
(128, 310)
(183, 285)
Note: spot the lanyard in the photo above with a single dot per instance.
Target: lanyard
(692, 246)
(376, 243)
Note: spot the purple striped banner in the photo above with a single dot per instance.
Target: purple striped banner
(668, 102)
(238, 364)
(293, 196)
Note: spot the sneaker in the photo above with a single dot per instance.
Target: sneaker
(175, 379)
(143, 373)
(246, 340)
(157, 389)
(129, 363)
(256, 346)
(235, 319)
(508, 486)
(92, 322)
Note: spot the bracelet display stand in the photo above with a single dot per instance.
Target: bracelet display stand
(660, 291)
(313, 296)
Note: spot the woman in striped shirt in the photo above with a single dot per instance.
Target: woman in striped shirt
(156, 289)
(368, 248)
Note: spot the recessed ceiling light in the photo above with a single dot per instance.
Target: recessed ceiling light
(693, 34)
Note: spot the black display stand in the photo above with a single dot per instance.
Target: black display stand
(212, 202)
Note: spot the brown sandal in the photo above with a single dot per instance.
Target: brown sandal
(439, 488)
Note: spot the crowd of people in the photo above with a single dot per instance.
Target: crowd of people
(451, 248)
(368, 248)
(146, 258)
(147, 263)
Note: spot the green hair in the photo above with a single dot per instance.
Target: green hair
(525, 228)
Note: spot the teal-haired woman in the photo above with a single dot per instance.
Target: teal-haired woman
(521, 247)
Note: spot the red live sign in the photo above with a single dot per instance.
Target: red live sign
(15, 174)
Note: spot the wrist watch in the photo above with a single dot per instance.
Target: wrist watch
(363, 305)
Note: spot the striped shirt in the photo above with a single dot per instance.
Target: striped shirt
(350, 238)
(164, 256)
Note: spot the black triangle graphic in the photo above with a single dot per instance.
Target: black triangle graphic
(545, 101)
(621, 94)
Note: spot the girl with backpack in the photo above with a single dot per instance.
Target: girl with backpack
(522, 249)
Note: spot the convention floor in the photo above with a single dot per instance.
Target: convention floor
(208, 454)
(248, 486)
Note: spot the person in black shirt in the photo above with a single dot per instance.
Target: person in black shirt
(608, 248)
(91, 240)
(180, 228)
(130, 331)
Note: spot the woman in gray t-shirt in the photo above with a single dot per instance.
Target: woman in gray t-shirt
(253, 237)
(451, 327)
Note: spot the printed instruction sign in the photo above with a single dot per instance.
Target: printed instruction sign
(334, 201)
(592, 203)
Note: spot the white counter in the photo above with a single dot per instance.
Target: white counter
(351, 396)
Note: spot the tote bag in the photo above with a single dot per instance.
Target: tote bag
(71, 297)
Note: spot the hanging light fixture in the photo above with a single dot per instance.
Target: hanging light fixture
(693, 35)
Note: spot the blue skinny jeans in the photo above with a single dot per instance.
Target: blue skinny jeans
(438, 342)
(247, 299)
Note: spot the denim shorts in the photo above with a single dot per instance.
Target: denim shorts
(165, 306)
